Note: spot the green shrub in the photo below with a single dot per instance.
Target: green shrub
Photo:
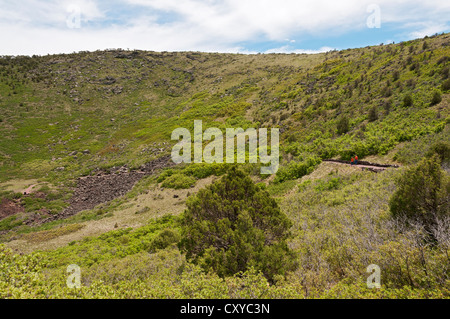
(343, 125)
(9, 223)
(442, 149)
(407, 101)
(415, 150)
(164, 175)
(279, 189)
(422, 193)
(332, 184)
(436, 99)
(203, 170)
(164, 239)
(304, 185)
(373, 114)
(446, 85)
(178, 181)
(445, 72)
(296, 170)
(395, 75)
(19, 274)
(387, 107)
(233, 225)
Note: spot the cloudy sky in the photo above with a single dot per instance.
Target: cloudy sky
(49, 26)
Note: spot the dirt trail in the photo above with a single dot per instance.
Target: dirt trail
(374, 167)
(29, 189)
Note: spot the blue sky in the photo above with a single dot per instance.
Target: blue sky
(246, 26)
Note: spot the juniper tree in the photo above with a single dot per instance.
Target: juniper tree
(423, 193)
(232, 225)
(343, 125)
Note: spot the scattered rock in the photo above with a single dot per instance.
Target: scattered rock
(117, 90)
(108, 80)
(101, 188)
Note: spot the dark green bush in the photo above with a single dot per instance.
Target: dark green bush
(233, 225)
(446, 85)
(395, 75)
(387, 107)
(407, 101)
(445, 72)
(373, 114)
(343, 125)
(436, 99)
(422, 193)
(164, 239)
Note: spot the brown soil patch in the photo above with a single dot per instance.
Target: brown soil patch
(9, 207)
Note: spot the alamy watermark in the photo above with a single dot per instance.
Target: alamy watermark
(374, 280)
(73, 20)
(74, 278)
(213, 151)
(374, 19)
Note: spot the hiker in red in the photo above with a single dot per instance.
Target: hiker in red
(356, 159)
(353, 161)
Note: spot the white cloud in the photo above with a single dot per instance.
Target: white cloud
(39, 27)
(275, 20)
(50, 12)
(289, 49)
(428, 29)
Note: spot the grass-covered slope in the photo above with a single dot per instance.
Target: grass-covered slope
(63, 117)
(122, 106)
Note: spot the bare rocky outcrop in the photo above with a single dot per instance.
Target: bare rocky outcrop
(104, 187)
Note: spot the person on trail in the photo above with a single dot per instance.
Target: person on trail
(356, 159)
(353, 161)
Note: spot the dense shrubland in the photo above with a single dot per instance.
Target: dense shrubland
(341, 223)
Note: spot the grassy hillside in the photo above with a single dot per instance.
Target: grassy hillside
(92, 114)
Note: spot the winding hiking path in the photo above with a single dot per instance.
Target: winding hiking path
(29, 189)
(374, 167)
